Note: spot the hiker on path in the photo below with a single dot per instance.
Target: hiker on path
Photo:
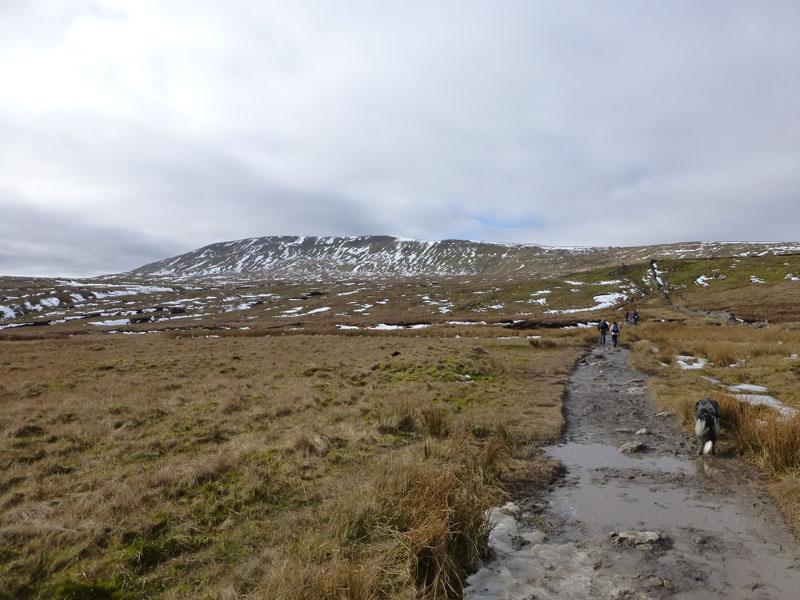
(614, 333)
(602, 327)
(627, 315)
(635, 317)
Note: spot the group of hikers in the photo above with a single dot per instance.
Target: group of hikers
(603, 327)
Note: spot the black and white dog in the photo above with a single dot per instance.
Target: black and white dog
(706, 424)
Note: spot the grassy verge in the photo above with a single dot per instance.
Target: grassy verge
(303, 466)
(737, 354)
(756, 288)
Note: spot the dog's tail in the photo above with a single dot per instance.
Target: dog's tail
(700, 427)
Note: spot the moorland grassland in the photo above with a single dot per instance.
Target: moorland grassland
(765, 355)
(760, 348)
(295, 466)
(293, 441)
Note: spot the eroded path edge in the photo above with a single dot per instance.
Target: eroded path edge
(655, 521)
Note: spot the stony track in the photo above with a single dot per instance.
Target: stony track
(638, 514)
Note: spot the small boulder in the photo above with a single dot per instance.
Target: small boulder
(639, 539)
(632, 447)
(654, 582)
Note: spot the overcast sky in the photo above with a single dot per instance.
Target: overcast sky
(135, 130)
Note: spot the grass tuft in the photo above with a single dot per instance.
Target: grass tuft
(769, 437)
(313, 467)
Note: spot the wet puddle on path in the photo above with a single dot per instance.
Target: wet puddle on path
(607, 491)
(604, 487)
(713, 535)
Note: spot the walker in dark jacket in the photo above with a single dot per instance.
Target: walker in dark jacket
(602, 327)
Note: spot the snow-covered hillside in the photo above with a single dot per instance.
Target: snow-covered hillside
(367, 256)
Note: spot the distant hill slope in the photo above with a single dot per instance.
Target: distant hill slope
(368, 256)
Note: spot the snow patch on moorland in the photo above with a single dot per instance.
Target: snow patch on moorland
(755, 395)
(352, 292)
(602, 301)
(657, 274)
(111, 323)
(385, 327)
(690, 362)
(702, 280)
(588, 325)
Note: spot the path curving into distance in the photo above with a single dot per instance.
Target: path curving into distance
(657, 523)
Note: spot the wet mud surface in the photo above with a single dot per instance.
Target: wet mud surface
(658, 522)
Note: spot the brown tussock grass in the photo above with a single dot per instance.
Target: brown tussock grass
(761, 356)
(776, 302)
(414, 526)
(786, 491)
(313, 466)
(771, 439)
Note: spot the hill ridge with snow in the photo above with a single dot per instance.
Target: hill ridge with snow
(310, 257)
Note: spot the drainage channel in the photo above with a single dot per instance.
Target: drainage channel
(654, 522)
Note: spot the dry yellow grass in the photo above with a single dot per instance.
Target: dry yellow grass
(249, 466)
(769, 438)
(778, 302)
(738, 354)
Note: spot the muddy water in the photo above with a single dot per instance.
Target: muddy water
(717, 536)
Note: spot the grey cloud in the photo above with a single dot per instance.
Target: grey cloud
(561, 123)
(149, 185)
(53, 244)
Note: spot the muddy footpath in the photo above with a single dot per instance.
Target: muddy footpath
(638, 514)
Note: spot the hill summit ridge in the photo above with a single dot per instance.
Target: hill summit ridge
(310, 257)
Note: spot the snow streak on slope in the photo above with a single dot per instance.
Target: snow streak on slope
(311, 256)
(369, 256)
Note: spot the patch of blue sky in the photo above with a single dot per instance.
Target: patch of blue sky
(528, 223)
